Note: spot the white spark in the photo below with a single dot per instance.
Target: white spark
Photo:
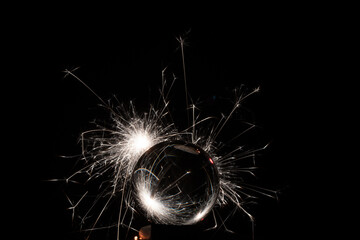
(136, 137)
(115, 149)
(140, 142)
(153, 206)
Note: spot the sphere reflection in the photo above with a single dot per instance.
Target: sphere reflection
(175, 183)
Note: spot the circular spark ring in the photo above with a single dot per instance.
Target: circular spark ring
(175, 183)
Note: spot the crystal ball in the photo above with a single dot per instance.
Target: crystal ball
(175, 183)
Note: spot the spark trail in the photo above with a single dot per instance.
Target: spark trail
(111, 152)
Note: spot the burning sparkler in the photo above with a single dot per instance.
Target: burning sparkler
(153, 169)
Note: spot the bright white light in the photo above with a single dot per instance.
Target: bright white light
(119, 147)
(151, 204)
(140, 142)
(199, 216)
(135, 141)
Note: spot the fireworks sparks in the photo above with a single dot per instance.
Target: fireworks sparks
(175, 184)
(120, 154)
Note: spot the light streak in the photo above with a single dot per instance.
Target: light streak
(154, 206)
(114, 150)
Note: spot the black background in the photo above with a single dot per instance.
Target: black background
(121, 51)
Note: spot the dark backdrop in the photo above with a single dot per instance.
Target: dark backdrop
(123, 54)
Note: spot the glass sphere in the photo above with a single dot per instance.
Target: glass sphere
(175, 183)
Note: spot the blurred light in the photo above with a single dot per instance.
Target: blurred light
(140, 141)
